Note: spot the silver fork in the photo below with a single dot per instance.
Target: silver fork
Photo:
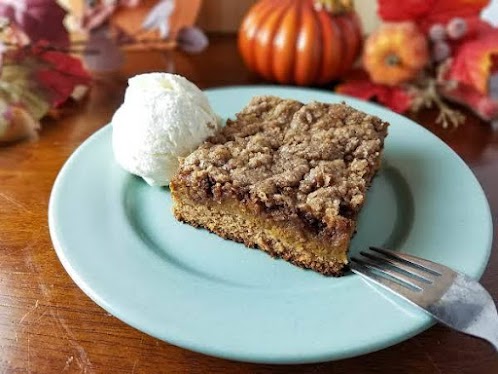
(452, 298)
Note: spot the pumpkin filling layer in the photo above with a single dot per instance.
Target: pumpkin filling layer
(285, 177)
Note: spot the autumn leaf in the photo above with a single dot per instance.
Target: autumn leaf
(38, 19)
(405, 10)
(428, 12)
(475, 60)
(59, 74)
(360, 86)
(158, 18)
(485, 106)
(444, 10)
(18, 86)
(21, 104)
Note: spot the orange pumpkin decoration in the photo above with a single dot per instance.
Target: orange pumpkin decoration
(395, 53)
(300, 41)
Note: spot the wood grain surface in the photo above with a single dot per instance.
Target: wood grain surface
(48, 325)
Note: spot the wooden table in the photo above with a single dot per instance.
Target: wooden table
(48, 325)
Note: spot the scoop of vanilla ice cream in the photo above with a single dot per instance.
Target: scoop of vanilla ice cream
(163, 117)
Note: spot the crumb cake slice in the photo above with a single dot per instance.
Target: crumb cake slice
(284, 177)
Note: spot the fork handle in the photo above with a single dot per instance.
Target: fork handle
(486, 327)
(490, 330)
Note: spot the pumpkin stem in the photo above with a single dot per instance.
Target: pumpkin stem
(392, 59)
(335, 7)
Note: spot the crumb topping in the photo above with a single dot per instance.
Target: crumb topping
(314, 161)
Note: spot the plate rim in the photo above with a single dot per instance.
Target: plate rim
(227, 355)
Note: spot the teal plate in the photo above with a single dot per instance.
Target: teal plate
(118, 240)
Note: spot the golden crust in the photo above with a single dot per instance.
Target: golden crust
(232, 222)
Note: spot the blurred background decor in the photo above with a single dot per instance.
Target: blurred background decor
(42, 41)
(417, 54)
(428, 53)
(300, 42)
(38, 73)
(107, 27)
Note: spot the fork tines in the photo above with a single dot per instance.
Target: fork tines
(452, 298)
(386, 266)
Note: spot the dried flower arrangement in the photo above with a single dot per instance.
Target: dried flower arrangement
(427, 53)
(40, 68)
